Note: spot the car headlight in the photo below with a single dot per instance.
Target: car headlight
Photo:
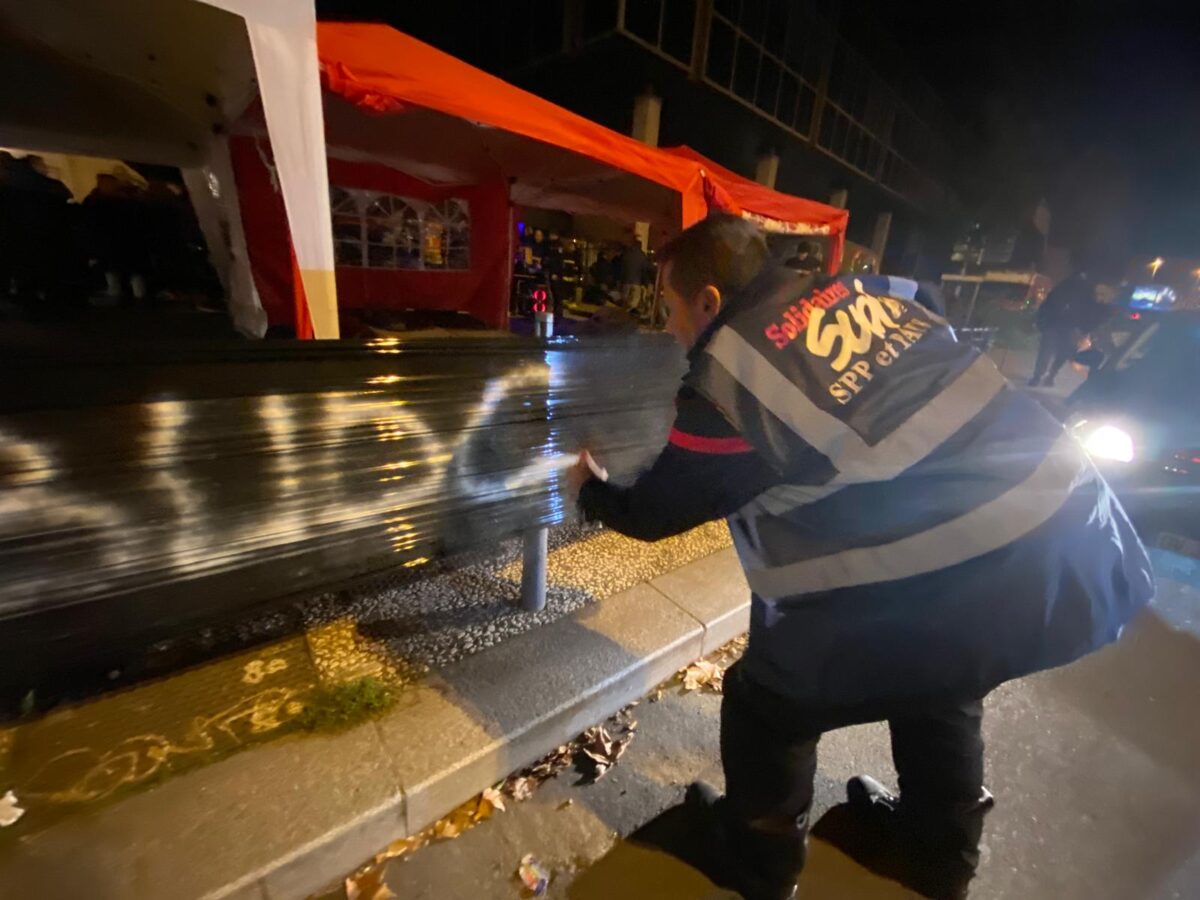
(1109, 442)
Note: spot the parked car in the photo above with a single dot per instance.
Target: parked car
(1138, 417)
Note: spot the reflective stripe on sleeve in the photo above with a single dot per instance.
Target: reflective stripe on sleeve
(824, 431)
(856, 461)
(988, 527)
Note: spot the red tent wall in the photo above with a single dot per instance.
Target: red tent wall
(482, 291)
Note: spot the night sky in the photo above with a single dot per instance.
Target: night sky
(1096, 104)
(1093, 105)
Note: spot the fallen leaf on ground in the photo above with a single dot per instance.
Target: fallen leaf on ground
(445, 829)
(656, 696)
(368, 885)
(460, 820)
(552, 763)
(520, 788)
(533, 875)
(703, 673)
(9, 811)
(603, 750)
(403, 846)
(489, 801)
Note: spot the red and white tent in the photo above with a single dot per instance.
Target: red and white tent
(264, 109)
(775, 211)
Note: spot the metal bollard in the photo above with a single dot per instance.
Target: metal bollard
(533, 570)
(533, 551)
(543, 324)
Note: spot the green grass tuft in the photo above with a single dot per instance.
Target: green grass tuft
(332, 708)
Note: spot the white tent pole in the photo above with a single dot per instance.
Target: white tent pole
(283, 37)
(214, 197)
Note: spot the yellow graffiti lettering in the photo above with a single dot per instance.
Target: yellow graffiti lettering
(254, 672)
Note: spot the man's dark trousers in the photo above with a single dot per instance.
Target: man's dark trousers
(769, 753)
(1056, 347)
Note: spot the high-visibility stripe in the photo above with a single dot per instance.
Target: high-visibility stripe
(781, 499)
(988, 527)
(901, 288)
(856, 461)
(929, 427)
(714, 445)
(824, 431)
(906, 289)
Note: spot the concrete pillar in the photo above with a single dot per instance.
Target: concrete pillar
(839, 197)
(767, 168)
(647, 112)
(879, 236)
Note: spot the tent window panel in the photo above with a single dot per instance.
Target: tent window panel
(376, 230)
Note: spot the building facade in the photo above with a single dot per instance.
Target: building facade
(798, 94)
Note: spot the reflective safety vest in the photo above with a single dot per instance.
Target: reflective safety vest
(904, 454)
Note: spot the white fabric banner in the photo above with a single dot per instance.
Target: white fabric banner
(214, 197)
(283, 37)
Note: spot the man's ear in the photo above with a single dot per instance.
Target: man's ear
(710, 300)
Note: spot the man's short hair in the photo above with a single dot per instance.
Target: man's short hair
(725, 251)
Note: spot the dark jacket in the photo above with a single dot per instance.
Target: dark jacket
(635, 266)
(1068, 305)
(910, 525)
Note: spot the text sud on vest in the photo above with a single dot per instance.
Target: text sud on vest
(851, 330)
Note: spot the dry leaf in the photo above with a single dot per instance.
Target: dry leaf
(446, 829)
(520, 788)
(552, 763)
(603, 750)
(460, 820)
(368, 885)
(703, 673)
(656, 696)
(403, 846)
(489, 801)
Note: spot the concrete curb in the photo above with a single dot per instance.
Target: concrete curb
(288, 818)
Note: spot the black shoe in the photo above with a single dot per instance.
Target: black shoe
(720, 839)
(935, 858)
(1033, 382)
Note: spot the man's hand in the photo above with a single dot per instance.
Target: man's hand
(579, 473)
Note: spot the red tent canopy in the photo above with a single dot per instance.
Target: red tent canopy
(774, 210)
(458, 123)
(404, 118)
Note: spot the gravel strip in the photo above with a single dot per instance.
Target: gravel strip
(454, 612)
